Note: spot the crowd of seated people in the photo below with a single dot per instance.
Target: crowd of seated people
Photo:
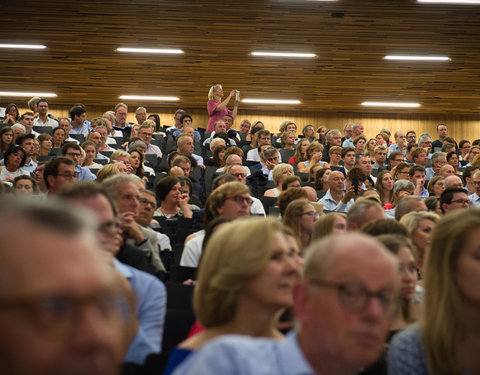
(260, 214)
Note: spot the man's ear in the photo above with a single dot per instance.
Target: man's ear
(301, 299)
(51, 180)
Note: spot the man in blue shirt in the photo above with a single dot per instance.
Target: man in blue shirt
(150, 293)
(72, 150)
(343, 313)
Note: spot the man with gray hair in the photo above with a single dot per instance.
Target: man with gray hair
(186, 146)
(409, 204)
(439, 159)
(401, 189)
(63, 309)
(334, 138)
(343, 306)
(453, 182)
(362, 212)
(140, 115)
(18, 129)
(357, 130)
(124, 191)
(150, 294)
(425, 141)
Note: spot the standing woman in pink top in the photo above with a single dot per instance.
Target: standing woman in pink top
(216, 108)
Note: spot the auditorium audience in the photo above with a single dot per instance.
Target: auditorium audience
(147, 234)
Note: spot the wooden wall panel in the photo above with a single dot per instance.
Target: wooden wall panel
(459, 127)
(81, 63)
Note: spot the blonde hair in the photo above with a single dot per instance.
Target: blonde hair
(211, 92)
(441, 327)
(107, 171)
(284, 124)
(413, 219)
(228, 264)
(279, 170)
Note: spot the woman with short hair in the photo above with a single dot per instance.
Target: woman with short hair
(279, 173)
(14, 160)
(174, 203)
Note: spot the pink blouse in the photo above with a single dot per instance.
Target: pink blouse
(215, 115)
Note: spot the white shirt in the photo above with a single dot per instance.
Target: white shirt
(50, 122)
(193, 250)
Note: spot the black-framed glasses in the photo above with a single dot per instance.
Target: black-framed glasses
(239, 199)
(73, 154)
(354, 297)
(462, 201)
(144, 201)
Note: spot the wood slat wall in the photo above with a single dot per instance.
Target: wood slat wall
(81, 62)
(459, 127)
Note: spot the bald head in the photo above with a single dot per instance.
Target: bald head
(338, 267)
(446, 170)
(453, 182)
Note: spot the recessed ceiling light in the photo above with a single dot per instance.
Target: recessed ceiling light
(159, 98)
(282, 54)
(23, 46)
(417, 58)
(449, 1)
(28, 94)
(270, 101)
(151, 50)
(392, 104)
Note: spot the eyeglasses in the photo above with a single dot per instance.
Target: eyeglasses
(462, 201)
(313, 214)
(144, 201)
(354, 297)
(68, 175)
(274, 158)
(476, 182)
(239, 174)
(57, 314)
(240, 200)
(73, 154)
